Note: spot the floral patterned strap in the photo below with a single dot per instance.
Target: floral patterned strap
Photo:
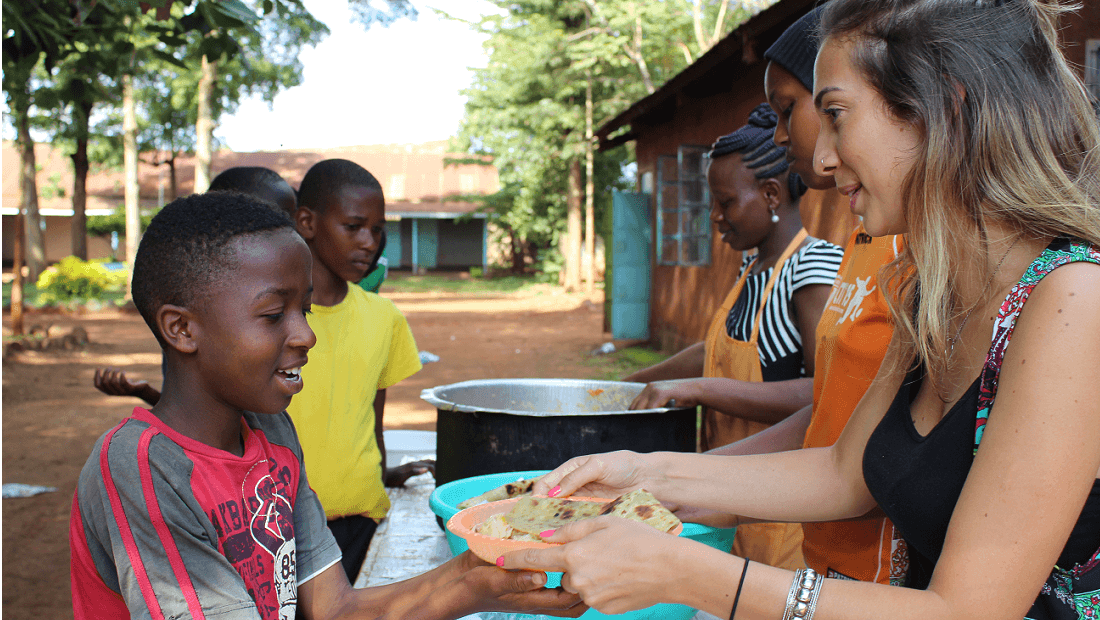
(1068, 594)
(1059, 252)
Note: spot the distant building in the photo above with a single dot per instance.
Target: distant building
(431, 223)
(691, 269)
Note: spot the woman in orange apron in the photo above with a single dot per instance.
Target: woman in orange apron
(756, 366)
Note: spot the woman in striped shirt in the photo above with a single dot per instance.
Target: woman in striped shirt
(757, 364)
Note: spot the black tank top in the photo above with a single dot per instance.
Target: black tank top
(917, 480)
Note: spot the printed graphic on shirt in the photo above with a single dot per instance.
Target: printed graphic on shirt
(260, 535)
(846, 299)
(899, 560)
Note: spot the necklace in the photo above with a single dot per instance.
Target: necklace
(951, 341)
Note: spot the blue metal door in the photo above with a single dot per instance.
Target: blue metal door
(393, 244)
(631, 282)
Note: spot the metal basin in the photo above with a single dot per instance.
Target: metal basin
(499, 425)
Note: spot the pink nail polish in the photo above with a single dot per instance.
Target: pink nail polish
(554, 491)
(546, 534)
(500, 561)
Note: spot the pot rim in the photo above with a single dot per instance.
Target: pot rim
(431, 395)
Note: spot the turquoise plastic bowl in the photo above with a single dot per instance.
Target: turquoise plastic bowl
(444, 503)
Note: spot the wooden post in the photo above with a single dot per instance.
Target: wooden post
(17, 282)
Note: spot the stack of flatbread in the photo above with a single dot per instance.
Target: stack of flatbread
(532, 515)
(508, 491)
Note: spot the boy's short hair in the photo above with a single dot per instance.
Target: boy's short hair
(186, 250)
(263, 183)
(327, 178)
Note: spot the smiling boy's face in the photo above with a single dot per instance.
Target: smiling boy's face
(253, 336)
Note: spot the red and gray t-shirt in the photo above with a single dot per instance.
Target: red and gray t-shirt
(164, 526)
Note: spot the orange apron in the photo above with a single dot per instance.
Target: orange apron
(775, 544)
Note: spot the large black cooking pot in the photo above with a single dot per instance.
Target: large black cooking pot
(501, 425)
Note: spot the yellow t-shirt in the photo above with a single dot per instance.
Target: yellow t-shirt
(363, 345)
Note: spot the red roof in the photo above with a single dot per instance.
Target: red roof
(414, 177)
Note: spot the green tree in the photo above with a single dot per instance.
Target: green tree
(34, 32)
(556, 69)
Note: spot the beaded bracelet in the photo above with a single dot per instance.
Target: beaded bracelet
(802, 598)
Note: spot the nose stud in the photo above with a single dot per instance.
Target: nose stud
(822, 161)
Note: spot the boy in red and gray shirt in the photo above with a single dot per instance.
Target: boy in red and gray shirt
(201, 507)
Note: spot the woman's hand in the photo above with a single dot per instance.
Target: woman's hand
(614, 564)
(598, 475)
(673, 393)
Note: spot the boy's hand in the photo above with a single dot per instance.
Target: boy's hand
(495, 589)
(396, 476)
(113, 382)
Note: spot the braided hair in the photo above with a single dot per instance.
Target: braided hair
(187, 248)
(754, 142)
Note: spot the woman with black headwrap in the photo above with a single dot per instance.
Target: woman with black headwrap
(758, 359)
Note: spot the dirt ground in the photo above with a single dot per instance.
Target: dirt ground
(52, 415)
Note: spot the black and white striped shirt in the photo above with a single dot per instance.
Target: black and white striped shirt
(779, 342)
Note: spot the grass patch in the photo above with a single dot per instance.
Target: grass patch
(457, 283)
(615, 366)
(31, 294)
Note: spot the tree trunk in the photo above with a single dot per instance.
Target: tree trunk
(173, 187)
(573, 236)
(204, 126)
(589, 192)
(17, 283)
(515, 249)
(80, 181)
(28, 184)
(130, 164)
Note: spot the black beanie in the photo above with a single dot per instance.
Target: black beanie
(796, 49)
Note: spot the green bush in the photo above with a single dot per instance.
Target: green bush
(104, 225)
(74, 279)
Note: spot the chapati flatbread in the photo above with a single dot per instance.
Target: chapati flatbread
(538, 514)
(512, 489)
(494, 527)
(640, 505)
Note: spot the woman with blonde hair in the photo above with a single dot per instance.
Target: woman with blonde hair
(959, 124)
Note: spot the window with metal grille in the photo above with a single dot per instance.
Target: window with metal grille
(683, 208)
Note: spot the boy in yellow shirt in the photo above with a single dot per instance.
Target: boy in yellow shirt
(364, 345)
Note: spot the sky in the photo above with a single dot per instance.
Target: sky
(383, 85)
